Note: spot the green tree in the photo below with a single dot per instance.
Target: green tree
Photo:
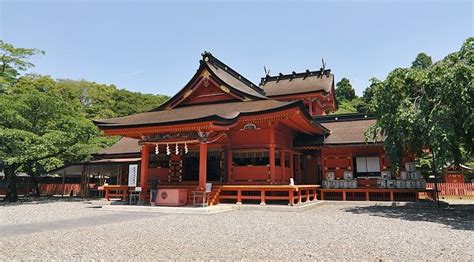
(39, 132)
(45, 123)
(344, 90)
(106, 101)
(428, 108)
(369, 91)
(422, 61)
(356, 105)
(13, 60)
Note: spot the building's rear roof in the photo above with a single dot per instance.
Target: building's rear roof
(125, 145)
(298, 83)
(344, 129)
(347, 132)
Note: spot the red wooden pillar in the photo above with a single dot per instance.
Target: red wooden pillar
(282, 165)
(272, 156)
(298, 168)
(144, 172)
(272, 163)
(229, 164)
(202, 165)
(292, 165)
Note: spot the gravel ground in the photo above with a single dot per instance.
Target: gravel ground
(43, 211)
(327, 232)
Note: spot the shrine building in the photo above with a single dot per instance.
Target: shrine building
(252, 143)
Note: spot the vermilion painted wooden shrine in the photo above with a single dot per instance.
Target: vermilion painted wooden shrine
(265, 143)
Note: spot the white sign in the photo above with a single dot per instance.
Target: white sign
(132, 175)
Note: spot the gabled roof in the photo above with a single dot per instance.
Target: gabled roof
(231, 77)
(230, 81)
(298, 83)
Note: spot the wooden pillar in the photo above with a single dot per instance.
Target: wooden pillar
(291, 197)
(144, 172)
(239, 197)
(282, 165)
(229, 163)
(272, 156)
(298, 165)
(272, 164)
(202, 165)
(292, 165)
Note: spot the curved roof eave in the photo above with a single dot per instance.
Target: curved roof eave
(216, 119)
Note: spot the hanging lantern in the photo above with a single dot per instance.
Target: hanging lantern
(177, 149)
(168, 151)
(185, 148)
(157, 150)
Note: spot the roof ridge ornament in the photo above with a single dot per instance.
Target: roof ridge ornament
(266, 71)
(307, 73)
(206, 56)
(293, 75)
(323, 67)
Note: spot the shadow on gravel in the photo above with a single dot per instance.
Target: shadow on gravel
(460, 217)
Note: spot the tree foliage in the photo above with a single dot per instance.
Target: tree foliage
(349, 102)
(13, 61)
(422, 61)
(419, 108)
(46, 123)
(344, 90)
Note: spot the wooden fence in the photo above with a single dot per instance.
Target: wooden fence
(452, 190)
(60, 189)
(48, 189)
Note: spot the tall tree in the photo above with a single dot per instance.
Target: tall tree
(344, 90)
(39, 132)
(431, 107)
(422, 61)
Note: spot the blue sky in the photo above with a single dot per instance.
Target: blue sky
(155, 46)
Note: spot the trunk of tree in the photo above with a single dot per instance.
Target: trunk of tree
(436, 195)
(10, 176)
(36, 185)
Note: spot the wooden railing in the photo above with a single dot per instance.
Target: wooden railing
(115, 191)
(369, 194)
(451, 191)
(263, 193)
